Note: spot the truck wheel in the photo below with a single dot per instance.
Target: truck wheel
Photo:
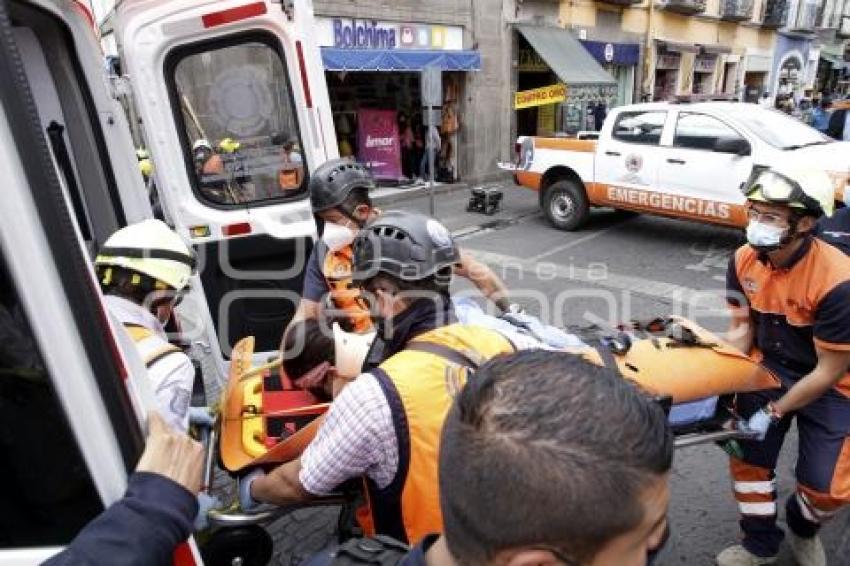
(565, 204)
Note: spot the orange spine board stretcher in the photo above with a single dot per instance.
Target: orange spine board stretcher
(663, 366)
(242, 434)
(660, 365)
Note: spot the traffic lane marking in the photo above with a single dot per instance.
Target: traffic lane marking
(712, 300)
(654, 248)
(582, 240)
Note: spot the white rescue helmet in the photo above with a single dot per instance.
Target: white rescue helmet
(202, 144)
(807, 188)
(151, 248)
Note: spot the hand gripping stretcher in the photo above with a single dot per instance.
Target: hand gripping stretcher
(263, 420)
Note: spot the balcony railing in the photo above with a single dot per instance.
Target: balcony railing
(687, 7)
(807, 17)
(831, 14)
(775, 14)
(736, 10)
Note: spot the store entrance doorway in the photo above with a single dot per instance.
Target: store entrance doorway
(362, 99)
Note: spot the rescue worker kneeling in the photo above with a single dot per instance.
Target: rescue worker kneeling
(385, 425)
(143, 270)
(790, 299)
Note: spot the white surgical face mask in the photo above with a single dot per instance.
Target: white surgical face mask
(761, 235)
(337, 237)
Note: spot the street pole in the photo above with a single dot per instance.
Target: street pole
(432, 100)
(430, 152)
(648, 82)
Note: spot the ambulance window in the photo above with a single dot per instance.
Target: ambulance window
(699, 131)
(640, 127)
(46, 492)
(238, 122)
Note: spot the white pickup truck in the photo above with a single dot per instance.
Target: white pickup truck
(678, 160)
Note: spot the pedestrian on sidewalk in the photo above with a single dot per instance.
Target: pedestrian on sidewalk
(433, 144)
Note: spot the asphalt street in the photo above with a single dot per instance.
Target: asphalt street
(621, 267)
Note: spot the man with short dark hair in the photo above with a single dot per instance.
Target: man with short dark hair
(545, 459)
(549, 459)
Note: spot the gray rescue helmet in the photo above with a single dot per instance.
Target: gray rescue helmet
(405, 245)
(334, 180)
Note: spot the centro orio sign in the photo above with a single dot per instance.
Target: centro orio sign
(354, 33)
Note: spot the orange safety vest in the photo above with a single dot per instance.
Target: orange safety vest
(420, 383)
(345, 297)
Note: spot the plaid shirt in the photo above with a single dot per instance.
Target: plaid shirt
(357, 437)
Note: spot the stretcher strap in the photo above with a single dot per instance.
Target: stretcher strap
(608, 359)
(449, 354)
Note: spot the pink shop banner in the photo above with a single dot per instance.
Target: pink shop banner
(378, 143)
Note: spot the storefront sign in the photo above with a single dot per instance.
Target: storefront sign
(360, 34)
(625, 54)
(353, 33)
(378, 142)
(668, 61)
(592, 93)
(531, 62)
(705, 63)
(540, 96)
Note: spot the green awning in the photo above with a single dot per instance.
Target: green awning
(566, 56)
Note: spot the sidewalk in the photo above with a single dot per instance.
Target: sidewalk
(388, 196)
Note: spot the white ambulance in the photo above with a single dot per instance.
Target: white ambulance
(242, 77)
(679, 160)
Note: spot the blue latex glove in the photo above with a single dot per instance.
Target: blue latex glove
(246, 502)
(206, 503)
(759, 423)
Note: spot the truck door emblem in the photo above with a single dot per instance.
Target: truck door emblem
(634, 162)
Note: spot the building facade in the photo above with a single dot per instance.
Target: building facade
(675, 48)
(833, 31)
(374, 53)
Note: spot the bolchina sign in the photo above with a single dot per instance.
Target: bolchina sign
(356, 33)
(363, 34)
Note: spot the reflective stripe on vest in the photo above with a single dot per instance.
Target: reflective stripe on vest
(337, 271)
(420, 386)
(139, 334)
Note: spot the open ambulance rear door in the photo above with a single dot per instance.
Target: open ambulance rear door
(71, 382)
(233, 99)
